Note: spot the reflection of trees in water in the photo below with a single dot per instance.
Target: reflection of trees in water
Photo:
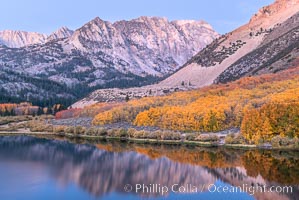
(99, 171)
(238, 177)
(110, 166)
(276, 166)
(273, 166)
(236, 167)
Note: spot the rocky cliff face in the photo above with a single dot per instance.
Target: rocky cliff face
(147, 45)
(101, 54)
(15, 39)
(263, 32)
(266, 44)
(63, 32)
(278, 51)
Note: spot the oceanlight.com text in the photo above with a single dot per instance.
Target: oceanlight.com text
(159, 189)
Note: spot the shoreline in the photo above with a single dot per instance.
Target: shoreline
(147, 141)
(120, 139)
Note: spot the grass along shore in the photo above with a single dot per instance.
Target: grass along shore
(39, 126)
(123, 139)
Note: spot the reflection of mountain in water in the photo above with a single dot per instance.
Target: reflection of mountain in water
(236, 167)
(101, 172)
(238, 177)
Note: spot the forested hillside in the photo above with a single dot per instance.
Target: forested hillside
(263, 107)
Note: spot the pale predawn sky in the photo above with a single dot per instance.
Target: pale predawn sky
(46, 16)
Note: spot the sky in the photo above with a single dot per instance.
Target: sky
(45, 16)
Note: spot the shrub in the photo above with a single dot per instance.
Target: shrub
(35, 128)
(141, 134)
(58, 129)
(168, 135)
(70, 113)
(16, 126)
(279, 141)
(131, 132)
(110, 132)
(69, 129)
(91, 131)
(49, 128)
(234, 139)
(118, 132)
(9, 128)
(40, 127)
(296, 142)
(191, 136)
(101, 132)
(239, 139)
(10, 119)
(123, 132)
(229, 139)
(207, 138)
(155, 135)
(79, 130)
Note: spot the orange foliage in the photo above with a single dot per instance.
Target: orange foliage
(274, 168)
(212, 108)
(24, 108)
(7, 107)
(273, 118)
(70, 113)
(271, 165)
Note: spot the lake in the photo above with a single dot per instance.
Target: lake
(47, 168)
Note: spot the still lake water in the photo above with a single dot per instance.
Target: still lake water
(38, 168)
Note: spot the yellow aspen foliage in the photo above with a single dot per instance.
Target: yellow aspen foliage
(266, 129)
(262, 107)
(213, 121)
(272, 119)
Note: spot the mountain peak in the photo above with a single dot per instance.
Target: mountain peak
(287, 1)
(60, 33)
(274, 13)
(64, 28)
(278, 6)
(105, 54)
(15, 39)
(231, 55)
(96, 20)
(94, 24)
